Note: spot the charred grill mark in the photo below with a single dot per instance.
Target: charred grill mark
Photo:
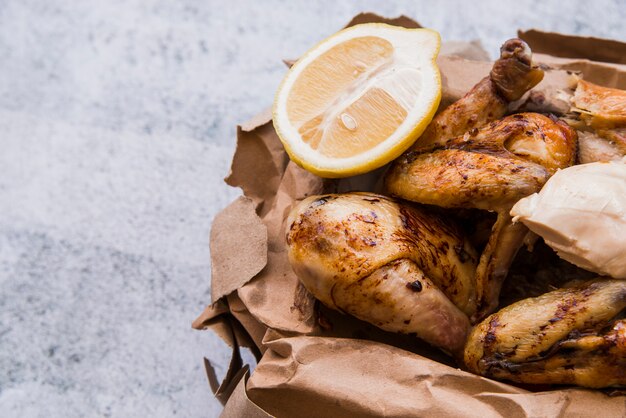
(358, 282)
(559, 314)
(410, 156)
(571, 306)
(547, 352)
(371, 200)
(404, 220)
(490, 335)
(370, 218)
(320, 227)
(427, 222)
(434, 259)
(496, 366)
(443, 247)
(321, 201)
(323, 246)
(463, 255)
(415, 286)
(368, 241)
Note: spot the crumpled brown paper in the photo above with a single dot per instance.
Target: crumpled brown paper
(237, 230)
(570, 46)
(316, 362)
(602, 61)
(312, 376)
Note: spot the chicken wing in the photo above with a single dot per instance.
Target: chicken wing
(569, 336)
(465, 160)
(398, 267)
(486, 168)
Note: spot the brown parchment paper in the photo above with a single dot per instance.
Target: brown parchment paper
(570, 46)
(602, 61)
(311, 376)
(236, 230)
(317, 362)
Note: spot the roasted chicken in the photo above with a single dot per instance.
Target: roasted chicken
(600, 107)
(511, 76)
(602, 121)
(468, 159)
(569, 336)
(398, 267)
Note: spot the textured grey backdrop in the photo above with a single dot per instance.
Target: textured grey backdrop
(117, 122)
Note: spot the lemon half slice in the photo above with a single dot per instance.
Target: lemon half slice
(358, 99)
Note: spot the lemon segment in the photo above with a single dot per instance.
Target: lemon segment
(358, 99)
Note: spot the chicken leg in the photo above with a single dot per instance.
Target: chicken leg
(398, 267)
(511, 76)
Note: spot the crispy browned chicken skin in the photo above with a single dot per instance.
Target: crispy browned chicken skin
(486, 168)
(396, 266)
(466, 160)
(602, 111)
(511, 76)
(568, 336)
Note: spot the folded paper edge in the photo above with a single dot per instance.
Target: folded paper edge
(223, 390)
(229, 274)
(574, 46)
(257, 120)
(219, 317)
(370, 17)
(254, 328)
(239, 405)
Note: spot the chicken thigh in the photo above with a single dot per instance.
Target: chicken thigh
(398, 267)
(466, 160)
(569, 336)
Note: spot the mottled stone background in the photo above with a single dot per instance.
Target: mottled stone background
(117, 123)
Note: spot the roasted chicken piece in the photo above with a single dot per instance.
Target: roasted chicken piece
(600, 107)
(398, 267)
(602, 117)
(511, 76)
(569, 336)
(487, 168)
(466, 161)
